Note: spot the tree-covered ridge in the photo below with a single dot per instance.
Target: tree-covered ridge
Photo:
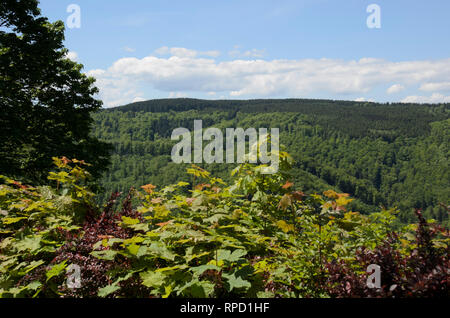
(353, 118)
(382, 154)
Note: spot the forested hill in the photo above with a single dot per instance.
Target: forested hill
(366, 117)
(395, 155)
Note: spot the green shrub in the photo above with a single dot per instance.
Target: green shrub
(258, 237)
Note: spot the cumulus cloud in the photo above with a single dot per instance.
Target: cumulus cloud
(188, 71)
(434, 98)
(436, 87)
(71, 55)
(129, 49)
(177, 95)
(183, 52)
(114, 89)
(363, 99)
(138, 99)
(396, 88)
(249, 53)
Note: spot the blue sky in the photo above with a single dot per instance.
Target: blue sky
(140, 49)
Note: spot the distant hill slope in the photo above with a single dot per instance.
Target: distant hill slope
(382, 154)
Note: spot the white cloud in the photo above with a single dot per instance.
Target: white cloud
(138, 99)
(177, 95)
(254, 53)
(187, 72)
(114, 89)
(363, 99)
(71, 55)
(396, 88)
(162, 50)
(96, 73)
(129, 49)
(433, 99)
(249, 53)
(183, 52)
(210, 53)
(436, 87)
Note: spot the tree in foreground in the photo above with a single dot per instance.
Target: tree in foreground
(45, 100)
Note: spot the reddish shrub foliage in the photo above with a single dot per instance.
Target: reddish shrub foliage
(93, 270)
(423, 273)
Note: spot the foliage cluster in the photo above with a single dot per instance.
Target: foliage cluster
(45, 100)
(421, 270)
(257, 237)
(382, 155)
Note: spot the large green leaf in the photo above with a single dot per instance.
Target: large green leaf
(198, 270)
(105, 291)
(227, 255)
(152, 279)
(197, 289)
(13, 220)
(235, 282)
(109, 289)
(105, 254)
(56, 270)
(160, 250)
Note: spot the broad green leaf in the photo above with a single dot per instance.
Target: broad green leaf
(215, 218)
(139, 227)
(133, 249)
(265, 294)
(13, 220)
(236, 255)
(285, 227)
(152, 279)
(343, 201)
(194, 256)
(30, 243)
(33, 265)
(109, 289)
(142, 251)
(167, 291)
(134, 239)
(105, 291)
(198, 270)
(56, 270)
(171, 268)
(34, 285)
(197, 289)
(160, 250)
(202, 289)
(105, 254)
(129, 221)
(235, 282)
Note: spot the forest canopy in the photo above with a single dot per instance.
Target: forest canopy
(391, 155)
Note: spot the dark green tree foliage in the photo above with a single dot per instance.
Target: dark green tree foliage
(45, 100)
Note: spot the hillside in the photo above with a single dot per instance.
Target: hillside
(392, 155)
